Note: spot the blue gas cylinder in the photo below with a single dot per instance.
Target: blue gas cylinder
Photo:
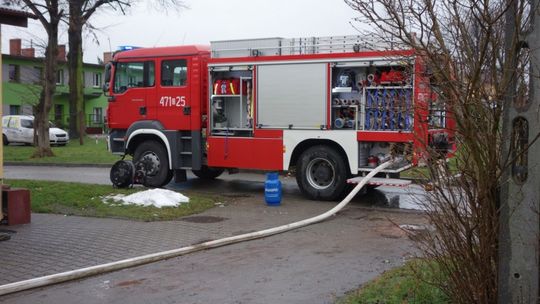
(272, 189)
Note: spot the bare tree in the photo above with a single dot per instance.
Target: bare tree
(471, 69)
(49, 13)
(80, 12)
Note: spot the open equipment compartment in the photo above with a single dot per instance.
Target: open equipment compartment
(347, 95)
(370, 96)
(375, 96)
(231, 101)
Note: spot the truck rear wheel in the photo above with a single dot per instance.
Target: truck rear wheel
(207, 172)
(321, 173)
(153, 157)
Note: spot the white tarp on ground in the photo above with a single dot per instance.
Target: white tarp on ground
(154, 197)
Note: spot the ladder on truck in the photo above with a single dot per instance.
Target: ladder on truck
(299, 46)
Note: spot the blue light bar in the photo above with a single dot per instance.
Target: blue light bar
(128, 47)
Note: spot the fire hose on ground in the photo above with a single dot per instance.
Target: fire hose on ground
(154, 257)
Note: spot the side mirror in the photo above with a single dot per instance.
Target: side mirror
(107, 78)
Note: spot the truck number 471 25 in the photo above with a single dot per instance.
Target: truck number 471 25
(172, 101)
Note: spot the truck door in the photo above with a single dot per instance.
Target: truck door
(134, 84)
(173, 97)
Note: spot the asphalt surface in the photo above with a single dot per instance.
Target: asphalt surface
(90, 175)
(315, 264)
(242, 182)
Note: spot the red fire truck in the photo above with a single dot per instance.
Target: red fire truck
(330, 107)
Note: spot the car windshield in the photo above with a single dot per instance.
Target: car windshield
(27, 123)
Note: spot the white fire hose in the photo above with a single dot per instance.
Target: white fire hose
(154, 257)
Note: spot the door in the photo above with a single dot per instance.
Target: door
(174, 99)
(26, 130)
(134, 82)
(59, 115)
(9, 124)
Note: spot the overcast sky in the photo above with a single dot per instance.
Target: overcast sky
(204, 21)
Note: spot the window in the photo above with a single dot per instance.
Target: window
(437, 111)
(13, 122)
(174, 73)
(97, 116)
(58, 112)
(60, 77)
(14, 73)
(14, 110)
(5, 121)
(27, 123)
(133, 75)
(97, 80)
(38, 75)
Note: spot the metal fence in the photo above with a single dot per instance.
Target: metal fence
(94, 122)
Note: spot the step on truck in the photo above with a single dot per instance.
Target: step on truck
(329, 108)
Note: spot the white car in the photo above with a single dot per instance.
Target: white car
(20, 129)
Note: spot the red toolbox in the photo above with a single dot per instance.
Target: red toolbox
(16, 205)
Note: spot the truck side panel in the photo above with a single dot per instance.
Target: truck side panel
(292, 96)
(246, 153)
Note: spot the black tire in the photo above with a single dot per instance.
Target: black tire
(5, 141)
(321, 173)
(208, 172)
(155, 161)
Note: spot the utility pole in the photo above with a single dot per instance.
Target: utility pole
(520, 189)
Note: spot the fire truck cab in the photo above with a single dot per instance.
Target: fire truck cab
(331, 107)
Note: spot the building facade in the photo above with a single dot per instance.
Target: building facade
(22, 77)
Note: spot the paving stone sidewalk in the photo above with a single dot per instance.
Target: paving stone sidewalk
(57, 243)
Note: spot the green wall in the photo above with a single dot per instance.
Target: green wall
(25, 93)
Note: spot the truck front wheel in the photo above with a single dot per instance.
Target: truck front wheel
(321, 173)
(153, 157)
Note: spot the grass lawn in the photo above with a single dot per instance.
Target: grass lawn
(415, 173)
(86, 200)
(91, 152)
(423, 172)
(400, 285)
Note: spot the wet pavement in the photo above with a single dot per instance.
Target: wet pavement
(314, 264)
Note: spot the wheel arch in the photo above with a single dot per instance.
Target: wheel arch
(140, 135)
(308, 143)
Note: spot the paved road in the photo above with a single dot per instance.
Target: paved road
(92, 175)
(231, 183)
(95, 175)
(314, 264)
